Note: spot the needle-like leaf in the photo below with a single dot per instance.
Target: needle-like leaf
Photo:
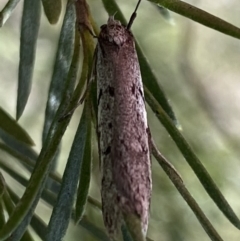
(29, 33)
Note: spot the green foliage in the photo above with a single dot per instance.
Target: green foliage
(65, 91)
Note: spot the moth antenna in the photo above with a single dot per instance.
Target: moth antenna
(134, 15)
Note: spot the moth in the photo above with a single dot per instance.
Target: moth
(124, 139)
(122, 130)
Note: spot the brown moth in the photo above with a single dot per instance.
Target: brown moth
(122, 131)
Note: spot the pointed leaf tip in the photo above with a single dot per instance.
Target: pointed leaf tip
(29, 33)
(52, 9)
(11, 126)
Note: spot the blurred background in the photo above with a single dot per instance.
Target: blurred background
(199, 70)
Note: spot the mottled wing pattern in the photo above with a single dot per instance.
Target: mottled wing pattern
(111, 212)
(122, 129)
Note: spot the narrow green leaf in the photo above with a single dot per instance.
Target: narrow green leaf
(11, 171)
(2, 185)
(42, 168)
(60, 74)
(134, 227)
(52, 9)
(22, 233)
(7, 11)
(192, 160)
(177, 181)
(95, 231)
(9, 204)
(29, 33)
(13, 152)
(149, 79)
(61, 68)
(86, 65)
(85, 172)
(9, 125)
(48, 195)
(95, 203)
(2, 190)
(26, 161)
(200, 16)
(18, 146)
(88, 47)
(2, 216)
(37, 224)
(63, 208)
(166, 14)
(51, 198)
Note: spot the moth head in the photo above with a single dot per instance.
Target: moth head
(112, 22)
(114, 32)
